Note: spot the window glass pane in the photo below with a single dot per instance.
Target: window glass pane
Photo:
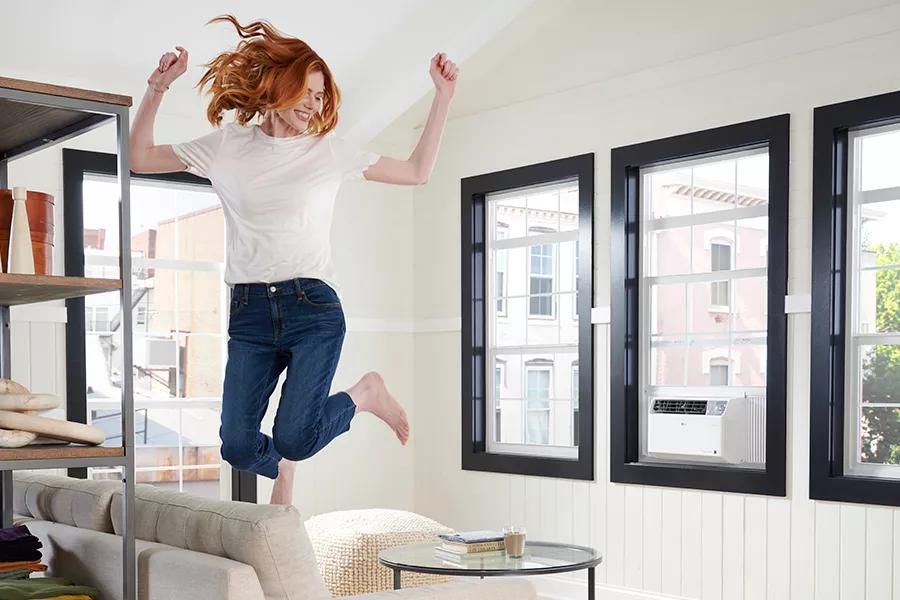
(748, 353)
(710, 306)
(879, 234)
(568, 324)
(713, 188)
(510, 327)
(568, 208)
(669, 252)
(712, 246)
(750, 303)
(668, 309)
(668, 355)
(752, 243)
(880, 373)
(880, 435)
(509, 217)
(878, 160)
(753, 180)
(669, 193)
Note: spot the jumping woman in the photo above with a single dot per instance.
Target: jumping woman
(277, 180)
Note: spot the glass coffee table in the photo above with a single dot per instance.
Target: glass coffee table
(540, 558)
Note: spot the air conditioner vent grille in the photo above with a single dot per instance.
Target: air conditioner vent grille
(674, 406)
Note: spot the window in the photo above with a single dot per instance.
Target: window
(575, 425)
(718, 371)
(521, 226)
(690, 293)
(720, 255)
(502, 265)
(179, 328)
(537, 401)
(541, 266)
(855, 354)
(499, 370)
(575, 277)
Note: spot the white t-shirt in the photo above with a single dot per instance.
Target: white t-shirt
(278, 198)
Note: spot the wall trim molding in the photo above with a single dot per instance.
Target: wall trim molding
(400, 325)
(561, 587)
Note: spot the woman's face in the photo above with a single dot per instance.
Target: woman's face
(299, 116)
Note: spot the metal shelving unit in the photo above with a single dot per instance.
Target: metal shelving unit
(34, 116)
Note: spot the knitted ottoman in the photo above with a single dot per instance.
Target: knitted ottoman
(347, 544)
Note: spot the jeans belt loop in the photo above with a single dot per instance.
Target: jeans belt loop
(245, 293)
(298, 288)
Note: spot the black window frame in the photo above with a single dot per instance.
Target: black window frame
(832, 125)
(77, 164)
(626, 163)
(475, 190)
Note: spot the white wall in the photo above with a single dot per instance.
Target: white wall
(659, 542)
(372, 243)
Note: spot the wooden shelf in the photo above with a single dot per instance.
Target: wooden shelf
(38, 452)
(26, 289)
(25, 127)
(64, 91)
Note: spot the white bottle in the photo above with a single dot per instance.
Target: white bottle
(21, 256)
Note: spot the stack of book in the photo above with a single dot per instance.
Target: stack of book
(470, 544)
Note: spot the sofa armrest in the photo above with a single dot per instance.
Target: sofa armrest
(166, 572)
(465, 589)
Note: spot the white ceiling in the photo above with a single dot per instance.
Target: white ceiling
(379, 51)
(563, 44)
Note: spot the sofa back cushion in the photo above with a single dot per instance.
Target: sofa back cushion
(64, 500)
(270, 538)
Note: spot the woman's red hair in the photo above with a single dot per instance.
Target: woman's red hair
(267, 71)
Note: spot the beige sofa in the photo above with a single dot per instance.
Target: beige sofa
(191, 548)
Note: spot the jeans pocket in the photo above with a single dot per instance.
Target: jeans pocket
(320, 296)
(236, 305)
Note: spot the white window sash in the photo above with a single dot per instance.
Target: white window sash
(711, 276)
(557, 237)
(707, 218)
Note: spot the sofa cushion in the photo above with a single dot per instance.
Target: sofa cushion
(269, 538)
(75, 502)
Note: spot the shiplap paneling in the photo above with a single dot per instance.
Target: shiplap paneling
(853, 551)
(827, 582)
(652, 532)
(711, 546)
(879, 553)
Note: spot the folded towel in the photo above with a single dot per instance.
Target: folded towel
(15, 574)
(27, 541)
(19, 556)
(14, 533)
(32, 565)
(43, 588)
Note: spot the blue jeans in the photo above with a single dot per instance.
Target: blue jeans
(296, 325)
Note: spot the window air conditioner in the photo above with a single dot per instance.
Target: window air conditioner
(156, 353)
(715, 430)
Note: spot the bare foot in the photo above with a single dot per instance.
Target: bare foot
(283, 489)
(371, 395)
